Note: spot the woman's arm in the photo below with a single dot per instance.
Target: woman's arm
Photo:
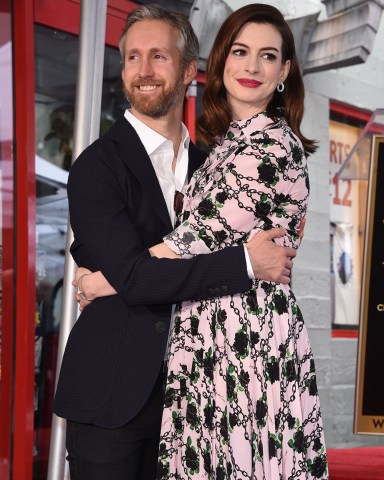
(162, 251)
(259, 187)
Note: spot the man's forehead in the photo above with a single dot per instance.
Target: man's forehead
(151, 35)
(146, 48)
(147, 27)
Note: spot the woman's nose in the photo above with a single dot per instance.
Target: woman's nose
(252, 65)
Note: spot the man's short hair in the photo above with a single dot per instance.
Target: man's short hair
(188, 44)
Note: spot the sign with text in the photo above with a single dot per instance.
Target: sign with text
(369, 405)
(344, 218)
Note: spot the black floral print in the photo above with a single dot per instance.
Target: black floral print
(241, 387)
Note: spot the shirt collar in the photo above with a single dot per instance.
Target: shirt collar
(151, 139)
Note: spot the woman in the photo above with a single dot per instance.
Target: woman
(241, 398)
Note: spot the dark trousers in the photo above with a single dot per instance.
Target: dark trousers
(126, 453)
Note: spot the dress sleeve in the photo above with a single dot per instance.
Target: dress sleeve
(262, 184)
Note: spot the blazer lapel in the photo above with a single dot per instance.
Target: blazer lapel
(139, 163)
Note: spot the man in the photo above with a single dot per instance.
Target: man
(121, 192)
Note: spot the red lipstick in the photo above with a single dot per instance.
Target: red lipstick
(248, 82)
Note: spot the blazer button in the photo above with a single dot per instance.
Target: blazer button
(160, 327)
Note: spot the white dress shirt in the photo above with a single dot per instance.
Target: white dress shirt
(160, 151)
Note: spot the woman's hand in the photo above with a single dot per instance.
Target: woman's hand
(162, 251)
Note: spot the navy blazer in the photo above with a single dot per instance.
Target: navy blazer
(117, 211)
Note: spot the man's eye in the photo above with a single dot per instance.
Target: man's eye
(239, 52)
(132, 58)
(159, 57)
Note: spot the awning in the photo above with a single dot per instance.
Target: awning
(356, 165)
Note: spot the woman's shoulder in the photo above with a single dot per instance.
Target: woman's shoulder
(280, 133)
(274, 140)
(261, 125)
(279, 128)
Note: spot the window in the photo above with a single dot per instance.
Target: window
(347, 220)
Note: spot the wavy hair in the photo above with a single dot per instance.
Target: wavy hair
(216, 115)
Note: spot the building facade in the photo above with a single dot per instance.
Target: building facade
(38, 75)
(357, 91)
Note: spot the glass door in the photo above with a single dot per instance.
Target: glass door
(56, 60)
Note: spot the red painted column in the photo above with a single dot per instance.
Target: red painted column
(25, 248)
(7, 235)
(190, 111)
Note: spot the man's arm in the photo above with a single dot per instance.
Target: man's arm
(268, 260)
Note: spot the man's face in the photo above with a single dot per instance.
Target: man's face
(152, 75)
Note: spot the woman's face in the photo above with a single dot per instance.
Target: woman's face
(253, 69)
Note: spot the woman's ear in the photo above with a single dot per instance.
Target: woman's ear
(284, 71)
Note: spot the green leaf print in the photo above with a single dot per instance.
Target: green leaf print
(231, 135)
(230, 369)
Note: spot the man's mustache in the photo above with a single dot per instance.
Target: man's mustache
(144, 83)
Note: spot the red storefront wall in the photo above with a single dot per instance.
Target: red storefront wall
(17, 385)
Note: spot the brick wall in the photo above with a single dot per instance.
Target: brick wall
(361, 86)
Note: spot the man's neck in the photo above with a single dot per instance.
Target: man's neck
(169, 126)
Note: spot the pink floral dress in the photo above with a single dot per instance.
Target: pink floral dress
(241, 398)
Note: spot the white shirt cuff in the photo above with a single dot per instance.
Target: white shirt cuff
(251, 275)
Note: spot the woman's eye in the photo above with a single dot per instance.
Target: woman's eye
(270, 57)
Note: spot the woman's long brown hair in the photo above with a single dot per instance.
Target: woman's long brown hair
(216, 115)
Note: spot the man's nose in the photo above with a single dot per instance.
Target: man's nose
(146, 69)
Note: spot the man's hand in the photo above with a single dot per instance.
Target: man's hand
(269, 261)
(301, 228)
